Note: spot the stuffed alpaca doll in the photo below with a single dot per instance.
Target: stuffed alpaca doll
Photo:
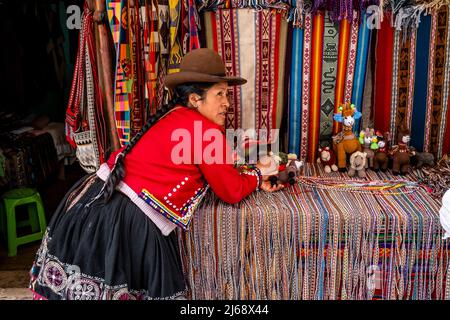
(358, 164)
(369, 141)
(381, 158)
(328, 159)
(401, 153)
(345, 142)
(287, 172)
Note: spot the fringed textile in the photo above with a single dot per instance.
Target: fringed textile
(307, 242)
(438, 177)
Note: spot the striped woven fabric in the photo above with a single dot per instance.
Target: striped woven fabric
(328, 75)
(333, 57)
(253, 46)
(383, 76)
(358, 81)
(440, 82)
(402, 98)
(311, 241)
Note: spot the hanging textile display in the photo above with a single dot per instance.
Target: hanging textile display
(352, 54)
(85, 123)
(295, 89)
(299, 91)
(306, 85)
(383, 76)
(175, 47)
(342, 71)
(420, 85)
(437, 77)
(352, 58)
(119, 12)
(446, 142)
(444, 130)
(328, 75)
(394, 86)
(358, 81)
(136, 107)
(401, 108)
(256, 54)
(150, 37)
(316, 76)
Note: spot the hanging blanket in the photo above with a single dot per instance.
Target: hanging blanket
(252, 44)
(435, 101)
(383, 76)
(328, 79)
(360, 67)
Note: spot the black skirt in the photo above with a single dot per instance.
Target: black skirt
(105, 251)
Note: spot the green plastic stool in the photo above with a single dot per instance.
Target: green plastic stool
(36, 216)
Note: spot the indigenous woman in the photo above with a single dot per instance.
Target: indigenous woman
(112, 236)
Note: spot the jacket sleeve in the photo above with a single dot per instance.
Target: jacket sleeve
(228, 183)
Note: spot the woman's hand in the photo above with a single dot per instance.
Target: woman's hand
(267, 186)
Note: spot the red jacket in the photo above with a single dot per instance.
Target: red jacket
(173, 189)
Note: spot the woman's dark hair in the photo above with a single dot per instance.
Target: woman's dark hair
(180, 97)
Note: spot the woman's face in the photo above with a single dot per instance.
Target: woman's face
(214, 104)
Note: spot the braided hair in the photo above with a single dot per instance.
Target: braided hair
(180, 97)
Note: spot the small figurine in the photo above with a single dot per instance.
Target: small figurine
(421, 159)
(327, 158)
(381, 159)
(358, 164)
(345, 142)
(401, 153)
(368, 140)
(287, 172)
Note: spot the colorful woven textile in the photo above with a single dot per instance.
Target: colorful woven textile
(122, 75)
(316, 74)
(383, 76)
(334, 67)
(420, 85)
(295, 92)
(328, 79)
(358, 80)
(342, 71)
(313, 241)
(435, 103)
(253, 46)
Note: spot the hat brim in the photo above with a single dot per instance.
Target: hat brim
(174, 79)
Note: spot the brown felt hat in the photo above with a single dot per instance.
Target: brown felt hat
(201, 65)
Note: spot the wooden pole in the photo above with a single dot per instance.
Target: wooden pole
(106, 74)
